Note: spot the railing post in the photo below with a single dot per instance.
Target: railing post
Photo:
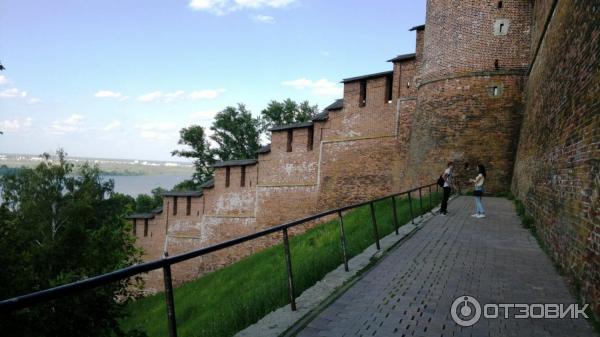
(343, 240)
(288, 264)
(375, 226)
(169, 299)
(430, 205)
(412, 218)
(420, 201)
(394, 213)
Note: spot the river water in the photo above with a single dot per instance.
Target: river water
(134, 185)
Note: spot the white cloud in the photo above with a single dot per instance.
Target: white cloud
(263, 3)
(322, 87)
(168, 97)
(13, 93)
(171, 96)
(218, 7)
(114, 124)
(72, 124)
(77, 123)
(206, 94)
(263, 19)
(325, 87)
(9, 125)
(151, 96)
(110, 94)
(165, 97)
(301, 83)
(158, 131)
(222, 7)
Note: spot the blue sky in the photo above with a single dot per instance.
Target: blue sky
(118, 79)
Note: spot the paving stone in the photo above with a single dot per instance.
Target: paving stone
(411, 290)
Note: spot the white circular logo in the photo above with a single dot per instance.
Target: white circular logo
(465, 311)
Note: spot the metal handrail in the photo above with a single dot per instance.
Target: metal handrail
(165, 263)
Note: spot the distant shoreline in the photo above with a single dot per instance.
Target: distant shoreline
(4, 170)
(125, 173)
(79, 158)
(108, 167)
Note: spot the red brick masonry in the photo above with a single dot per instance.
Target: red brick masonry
(510, 84)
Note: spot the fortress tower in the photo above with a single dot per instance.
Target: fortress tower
(470, 90)
(486, 77)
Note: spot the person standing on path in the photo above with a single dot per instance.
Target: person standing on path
(447, 176)
(478, 193)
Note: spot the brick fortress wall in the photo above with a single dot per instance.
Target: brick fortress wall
(557, 170)
(465, 95)
(348, 155)
(358, 157)
(470, 90)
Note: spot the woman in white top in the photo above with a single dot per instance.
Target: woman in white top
(478, 181)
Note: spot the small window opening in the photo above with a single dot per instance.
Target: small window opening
(499, 4)
(188, 205)
(496, 64)
(175, 206)
(362, 100)
(388, 89)
(243, 176)
(227, 175)
(134, 227)
(408, 84)
(311, 138)
(501, 28)
(495, 91)
(145, 227)
(290, 139)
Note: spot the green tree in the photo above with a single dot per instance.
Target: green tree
(194, 137)
(145, 203)
(125, 203)
(59, 226)
(236, 133)
(187, 185)
(157, 195)
(286, 112)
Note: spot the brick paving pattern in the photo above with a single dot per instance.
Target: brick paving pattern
(410, 292)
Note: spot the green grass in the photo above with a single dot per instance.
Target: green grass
(226, 301)
(526, 219)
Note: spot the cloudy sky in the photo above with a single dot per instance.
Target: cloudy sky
(118, 79)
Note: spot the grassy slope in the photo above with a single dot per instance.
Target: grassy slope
(230, 299)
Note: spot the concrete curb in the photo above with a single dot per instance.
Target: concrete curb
(313, 300)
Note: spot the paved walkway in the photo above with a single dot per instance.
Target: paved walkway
(410, 292)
